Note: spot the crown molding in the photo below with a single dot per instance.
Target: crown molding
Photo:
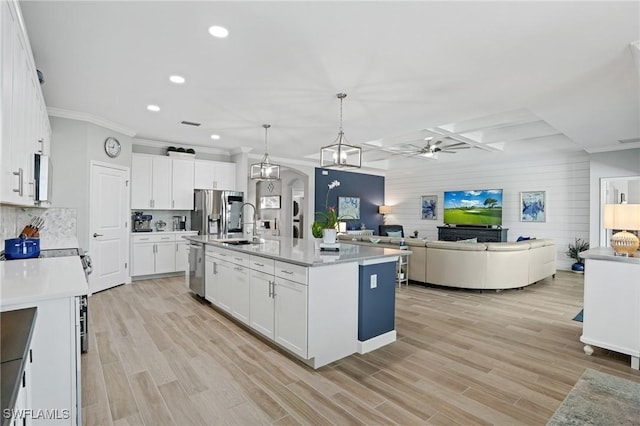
(89, 118)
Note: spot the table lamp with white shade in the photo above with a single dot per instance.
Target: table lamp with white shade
(623, 217)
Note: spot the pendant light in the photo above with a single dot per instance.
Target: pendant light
(339, 154)
(265, 169)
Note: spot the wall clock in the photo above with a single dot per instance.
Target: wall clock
(112, 147)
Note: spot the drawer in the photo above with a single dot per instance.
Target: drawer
(153, 238)
(291, 272)
(262, 264)
(239, 258)
(228, 255)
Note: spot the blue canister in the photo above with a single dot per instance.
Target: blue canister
(21, 248)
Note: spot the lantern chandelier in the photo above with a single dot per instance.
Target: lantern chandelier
(265, 169)
(340, 154)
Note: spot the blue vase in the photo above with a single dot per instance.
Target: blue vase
(577, 267)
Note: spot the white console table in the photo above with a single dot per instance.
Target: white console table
(612, 303)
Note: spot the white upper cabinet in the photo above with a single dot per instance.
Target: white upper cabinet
(161, 183)
(22, 108)
(182, 189)
(215, 175)
(141, 175)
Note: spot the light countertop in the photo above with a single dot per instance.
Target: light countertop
(29, 281)
(303, 252)
(165, 232)
(607, 253)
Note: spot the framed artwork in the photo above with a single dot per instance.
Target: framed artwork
(429, 207)
(270, 202)
(349, 207)
(533, 207)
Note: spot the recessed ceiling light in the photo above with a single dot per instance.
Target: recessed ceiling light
(220, 32)
(215, 137)
(154, 108)
(177, 79)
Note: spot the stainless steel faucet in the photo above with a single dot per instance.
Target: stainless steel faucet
(254, 234)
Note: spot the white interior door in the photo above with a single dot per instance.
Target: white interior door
(109, 226)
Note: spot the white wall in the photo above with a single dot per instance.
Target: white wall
(74, 144)
(564, 177)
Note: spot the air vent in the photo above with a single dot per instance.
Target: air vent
(190, 123)
(633, 140)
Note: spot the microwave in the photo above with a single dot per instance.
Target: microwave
(42, 173)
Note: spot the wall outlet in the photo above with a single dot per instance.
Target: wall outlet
(374, 281)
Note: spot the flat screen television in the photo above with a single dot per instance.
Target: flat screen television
(476, 207)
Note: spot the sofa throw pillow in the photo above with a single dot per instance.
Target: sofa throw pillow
(470, 240)
(394, 234)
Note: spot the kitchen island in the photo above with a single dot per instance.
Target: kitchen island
(318, 306)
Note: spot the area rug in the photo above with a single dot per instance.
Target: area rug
(600, 399)
(579, 316)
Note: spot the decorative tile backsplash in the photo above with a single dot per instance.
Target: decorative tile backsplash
(59, 223)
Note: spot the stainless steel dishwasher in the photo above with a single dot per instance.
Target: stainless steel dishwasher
(196, 268)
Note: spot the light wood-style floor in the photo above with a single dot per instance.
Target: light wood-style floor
(159, 356)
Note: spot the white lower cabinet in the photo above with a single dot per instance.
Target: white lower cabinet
(165, 257)
(241, 293)
(182, 256)
(159, 253)
(143, 258)
(225, 282)
(262, 303)
(211, 279)
(291, 315)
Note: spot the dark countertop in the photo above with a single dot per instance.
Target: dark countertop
(16, 330)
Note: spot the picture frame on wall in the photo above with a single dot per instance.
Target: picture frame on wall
(349, 207)
(533, 206)
(429, 207)
(270, 202)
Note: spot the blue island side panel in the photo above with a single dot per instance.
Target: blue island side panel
(376, 306)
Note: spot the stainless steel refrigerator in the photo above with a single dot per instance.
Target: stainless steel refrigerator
(217, 213)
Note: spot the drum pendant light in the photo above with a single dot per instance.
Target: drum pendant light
(265, 170)
(340, 154)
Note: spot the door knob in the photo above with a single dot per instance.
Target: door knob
(95, 235)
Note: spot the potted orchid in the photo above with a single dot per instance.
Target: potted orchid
(326, 222)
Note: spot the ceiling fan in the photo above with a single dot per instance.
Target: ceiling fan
(433, 147)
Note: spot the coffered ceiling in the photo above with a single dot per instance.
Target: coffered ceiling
(516, 77)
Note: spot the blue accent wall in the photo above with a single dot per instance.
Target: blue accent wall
(369, 188)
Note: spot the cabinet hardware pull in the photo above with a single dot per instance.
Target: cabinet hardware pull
(286, 272)
(269, 288)
(215, 268)
(96, 235)
(258, 264)
(173, 203)
(239, 259)
(20, 182)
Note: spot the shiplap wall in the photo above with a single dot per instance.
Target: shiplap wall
(565, 178)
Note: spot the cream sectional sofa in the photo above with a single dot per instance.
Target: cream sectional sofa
(474, 265)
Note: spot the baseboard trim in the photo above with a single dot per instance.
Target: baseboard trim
(376, 342)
